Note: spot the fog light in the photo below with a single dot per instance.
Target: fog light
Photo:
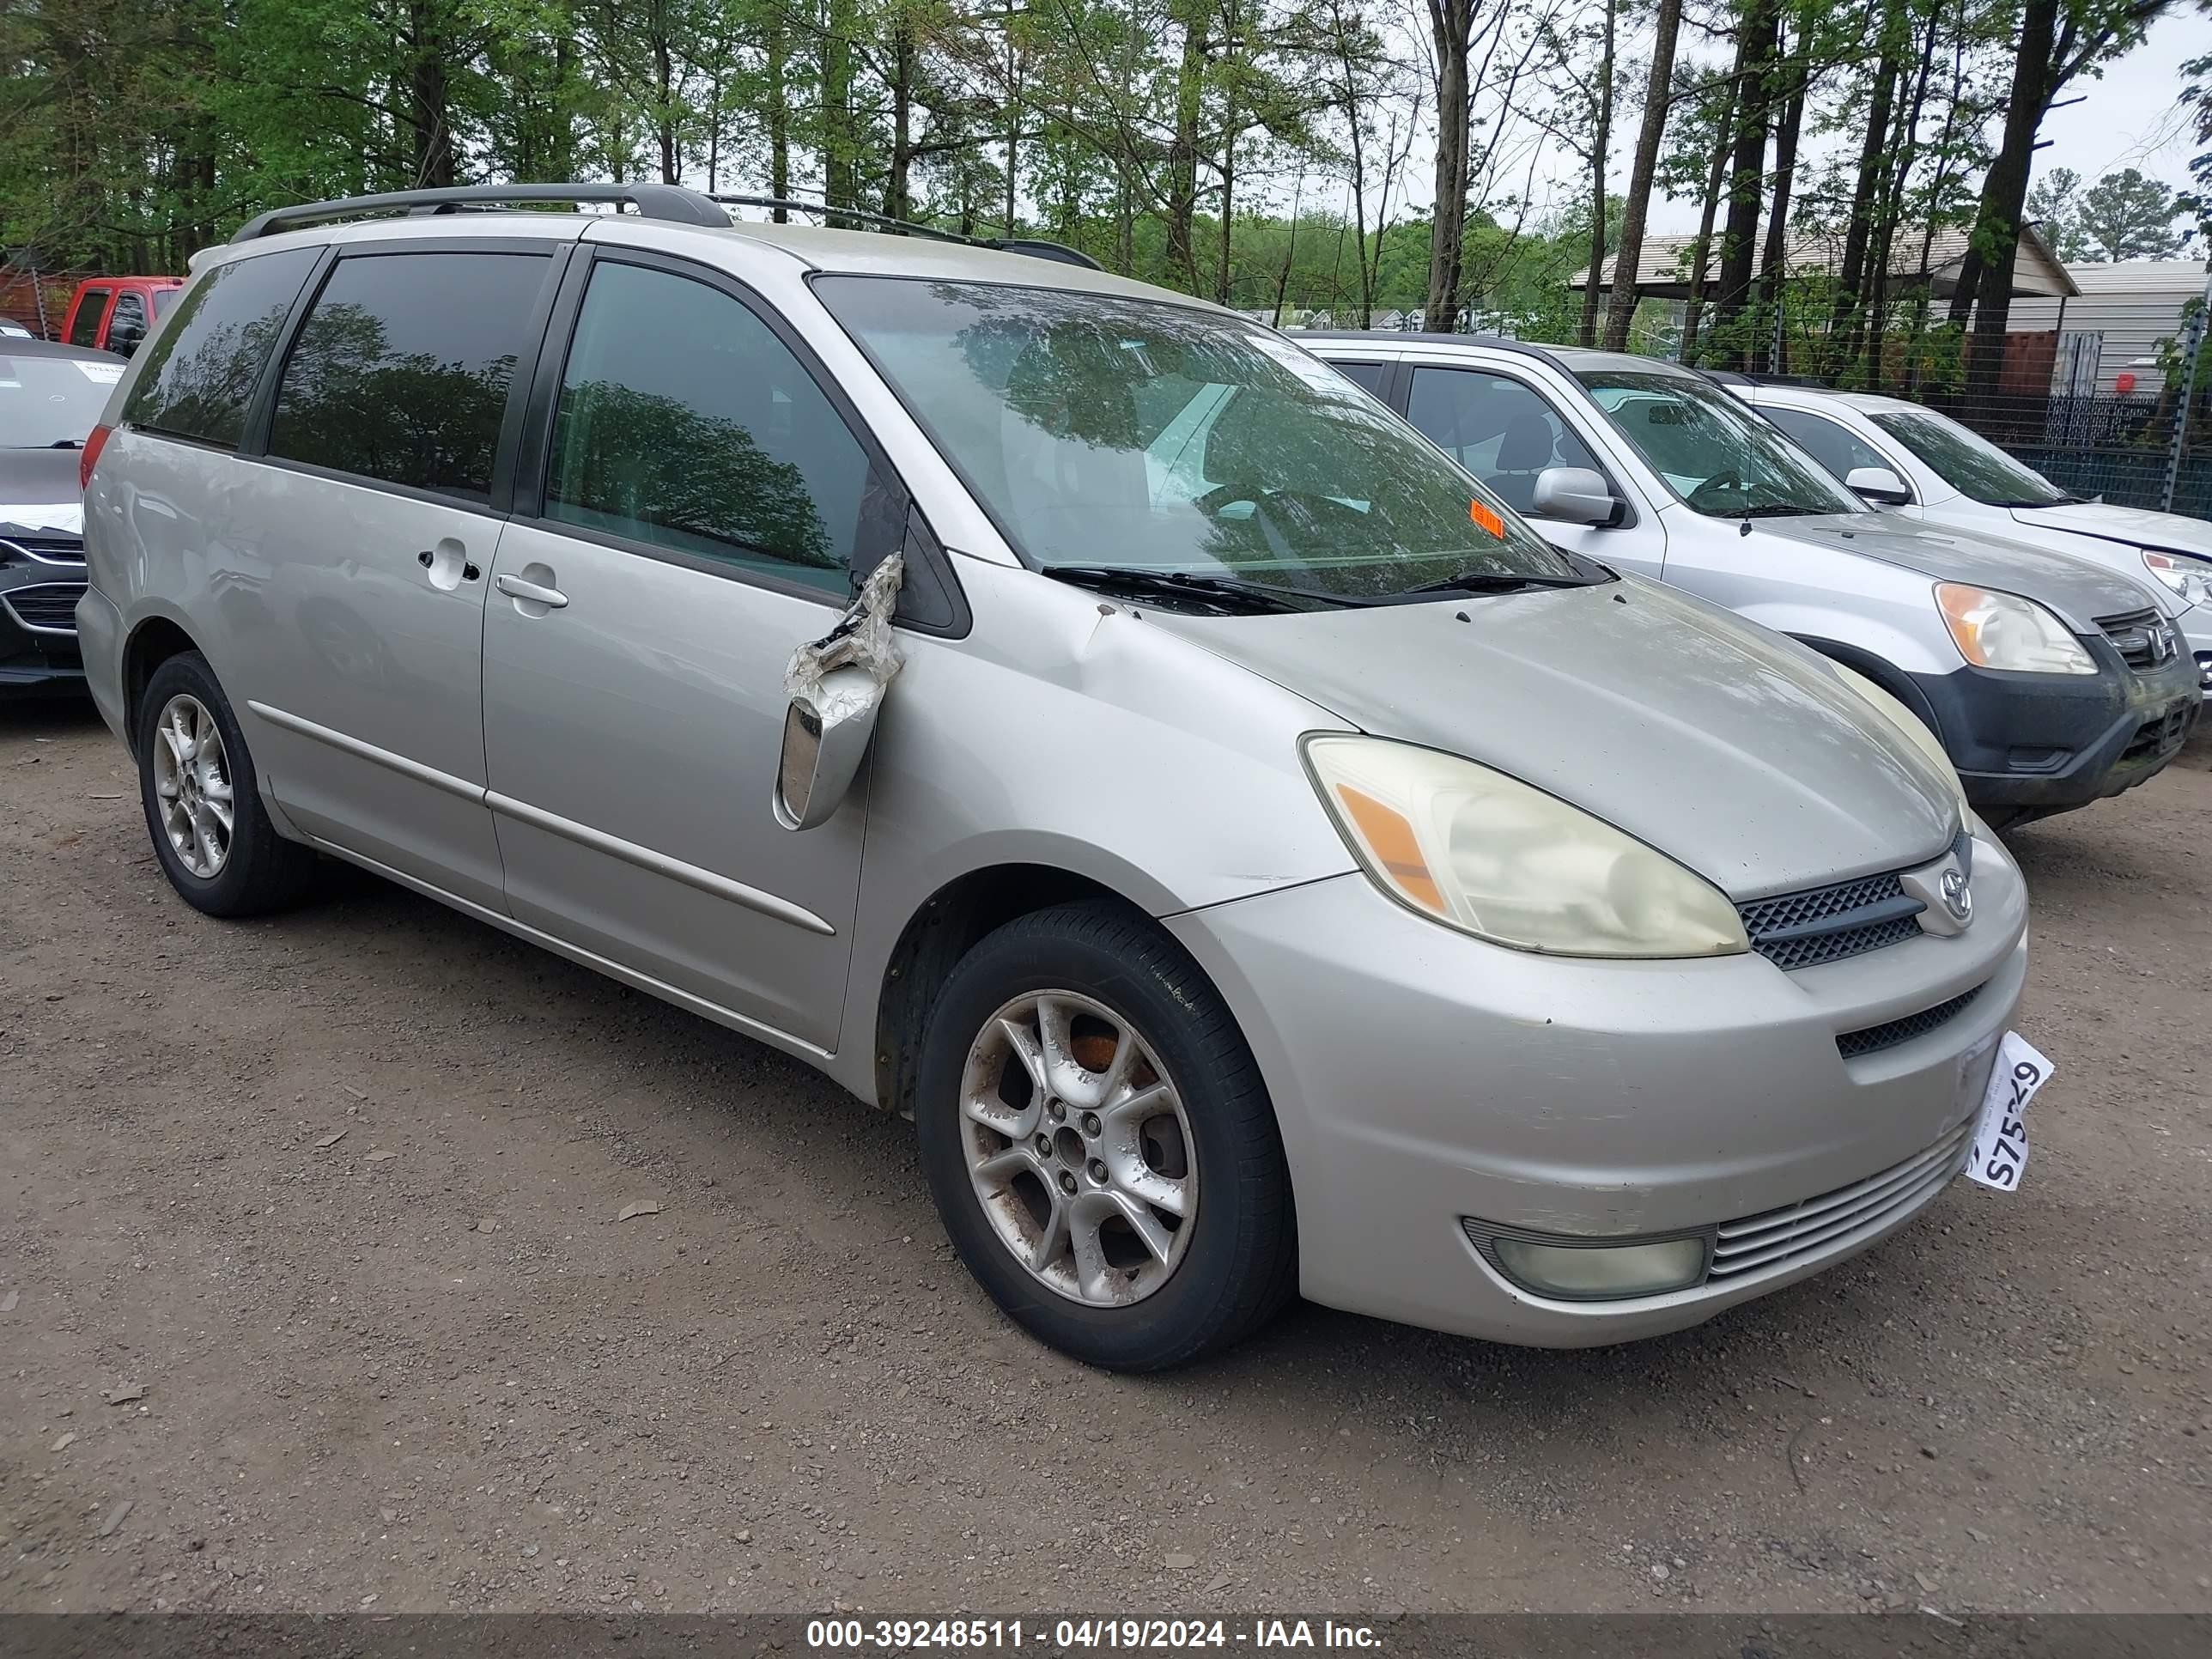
(1594, 1272)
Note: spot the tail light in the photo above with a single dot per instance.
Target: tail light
(90, 455)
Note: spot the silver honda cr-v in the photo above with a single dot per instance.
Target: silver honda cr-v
(2053, 682)
(1064, 712)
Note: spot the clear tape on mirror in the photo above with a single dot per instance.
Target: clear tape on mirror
(862, 639)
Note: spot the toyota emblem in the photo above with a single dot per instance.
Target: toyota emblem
(1958, 898)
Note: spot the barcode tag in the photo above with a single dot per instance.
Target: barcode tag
(2000, 1152)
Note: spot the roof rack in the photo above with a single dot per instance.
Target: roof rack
(1034, 246)
(672, 203)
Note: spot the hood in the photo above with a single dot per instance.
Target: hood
(1732, 749)
(2131, 526)
(2078, 591)
(39, 492)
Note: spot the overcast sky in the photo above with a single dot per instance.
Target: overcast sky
(2130, 116)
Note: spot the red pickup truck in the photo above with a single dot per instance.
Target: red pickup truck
(115, 314)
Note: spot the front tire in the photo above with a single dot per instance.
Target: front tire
(203, 812)
(1100, 1145)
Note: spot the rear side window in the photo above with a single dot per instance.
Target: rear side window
(402, 370)
(199, 376)
(84, 328)
(686, 424)
(1834, 447)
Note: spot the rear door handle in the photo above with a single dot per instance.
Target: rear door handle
(530, 593)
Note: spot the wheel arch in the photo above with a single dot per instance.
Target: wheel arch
(1887, 675)
(943, 929)
(152, 641)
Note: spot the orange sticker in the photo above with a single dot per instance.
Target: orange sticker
(1489, 520)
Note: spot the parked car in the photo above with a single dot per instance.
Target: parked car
(1283, 869)
(13, 329)
(2052, 683)
(50, 397)
(116, 313)
(1947, 474)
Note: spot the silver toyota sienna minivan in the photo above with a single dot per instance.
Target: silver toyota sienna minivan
(1069, 713)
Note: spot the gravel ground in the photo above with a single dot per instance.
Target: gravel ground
(313, 1295)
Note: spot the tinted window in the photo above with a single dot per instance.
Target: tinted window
(401, 371)
(84, 328)
(1830, 445)
(1369, 376)
(1496, 428)
(128, 326)
(683, 421)
(199, 376)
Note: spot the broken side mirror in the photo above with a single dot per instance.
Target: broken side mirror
(825, 736)
(836, 686)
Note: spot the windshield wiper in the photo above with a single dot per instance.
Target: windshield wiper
(1195, 585)
(1779, 510)
(1497, 582)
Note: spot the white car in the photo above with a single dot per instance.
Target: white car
(1947, 474)
(14, 329)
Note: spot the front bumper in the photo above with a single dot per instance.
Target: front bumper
(1422, 1078)
(38, 626)
(2050, 742)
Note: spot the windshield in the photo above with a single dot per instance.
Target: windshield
(46, 401)
(1144, 436)
(1976, 468)
(1720, 457)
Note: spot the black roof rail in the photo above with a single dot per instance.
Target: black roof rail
(1034, 246)
(671, 203)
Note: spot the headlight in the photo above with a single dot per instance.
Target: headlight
(1913, 727)
(2002, 630)
(2191, 578)
(1490, 855)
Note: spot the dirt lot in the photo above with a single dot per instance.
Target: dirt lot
(422, 1366)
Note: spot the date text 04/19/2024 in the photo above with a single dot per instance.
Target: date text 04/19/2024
(1084, 1635)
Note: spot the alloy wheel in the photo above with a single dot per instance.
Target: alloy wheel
(191, 778)
(1078, 1148)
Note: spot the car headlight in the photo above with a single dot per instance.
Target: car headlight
(1493, 857)
(2002, 630)
(2191, 578)
(1912, 728)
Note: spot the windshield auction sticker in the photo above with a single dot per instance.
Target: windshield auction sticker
(2000, 1153)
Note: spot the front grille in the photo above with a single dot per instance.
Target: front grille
(1802, 1229)
(1824, 924)
(2143, 638)
(49, 606)
(42, 550)
(1875, 1038)
(2159, 737)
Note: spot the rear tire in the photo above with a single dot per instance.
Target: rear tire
(203, 802)
(1100, 1145)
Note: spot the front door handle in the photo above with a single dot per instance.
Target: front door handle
(530, 593)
